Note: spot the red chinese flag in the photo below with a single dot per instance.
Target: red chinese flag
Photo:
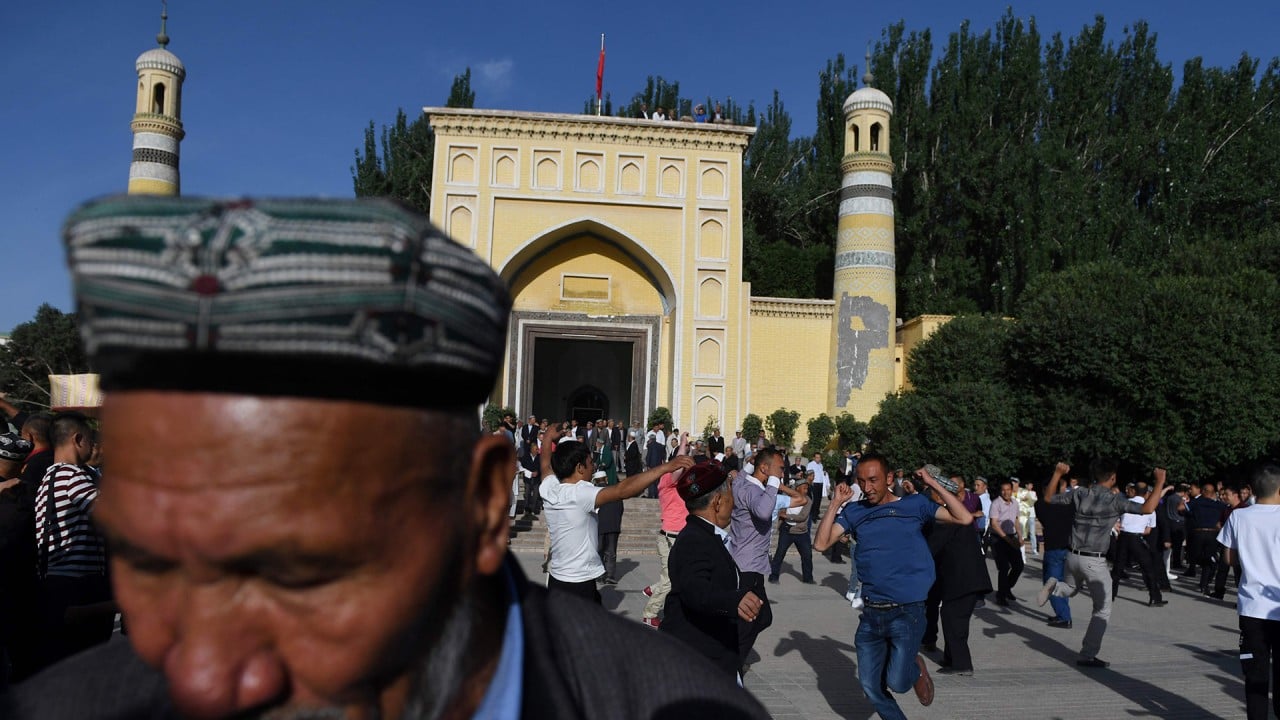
(600, 72)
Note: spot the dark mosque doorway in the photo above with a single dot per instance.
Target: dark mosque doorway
(582, 379)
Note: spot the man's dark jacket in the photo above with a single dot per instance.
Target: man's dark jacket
(580, 661)
(957, 556)
(702, 608)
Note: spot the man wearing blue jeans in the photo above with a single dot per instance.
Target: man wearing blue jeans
(896, 571)
(1056, 520)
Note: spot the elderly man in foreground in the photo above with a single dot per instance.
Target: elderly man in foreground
(305, 520)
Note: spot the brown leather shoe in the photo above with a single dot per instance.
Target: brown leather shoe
(924, 683)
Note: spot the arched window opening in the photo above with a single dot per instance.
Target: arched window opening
(157, 99)
(875, 138)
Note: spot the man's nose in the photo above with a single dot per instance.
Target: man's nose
(221, 664)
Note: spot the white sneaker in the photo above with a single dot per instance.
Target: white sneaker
(1042, 597)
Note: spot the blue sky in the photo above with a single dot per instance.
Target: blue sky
(278, 91)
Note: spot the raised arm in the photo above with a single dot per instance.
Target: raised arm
(549, 440)
(953, 511)
(1059, 471)
(828, 531)
(635, 484)
(760, 503)
(1153, 500)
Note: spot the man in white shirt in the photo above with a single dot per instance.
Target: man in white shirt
(739, 445)
(569, 502)
(1251, 536)
(820, 487)
(1132, 545)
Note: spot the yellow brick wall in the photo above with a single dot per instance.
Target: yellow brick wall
(789, 354)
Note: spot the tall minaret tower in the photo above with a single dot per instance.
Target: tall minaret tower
(862, 334)
(157, 121)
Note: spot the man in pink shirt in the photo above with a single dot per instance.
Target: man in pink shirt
(674, 515)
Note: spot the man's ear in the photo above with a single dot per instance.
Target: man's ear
(493, 465)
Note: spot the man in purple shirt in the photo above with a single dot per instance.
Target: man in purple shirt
(755, 504)
(1008, 548)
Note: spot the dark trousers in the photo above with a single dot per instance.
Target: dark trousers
(1156, 550)
(609, 553)
(815, 496)
(1008, 567)
(1131, 546)
(1220, 575)
(749, 631)
(1260, 639)
(64, 633)
(1202, 545)
(932, 603)
(956, 614)
(1177, 536)
(804, 544)
(585, 589)
(532, 500)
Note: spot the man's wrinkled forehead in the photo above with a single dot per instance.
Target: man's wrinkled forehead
(203, 440)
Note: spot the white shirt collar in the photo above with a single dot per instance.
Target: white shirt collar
(720, 532)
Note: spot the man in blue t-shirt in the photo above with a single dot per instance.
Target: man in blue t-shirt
(896, 571)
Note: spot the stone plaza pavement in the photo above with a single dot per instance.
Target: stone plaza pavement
(1178, 661)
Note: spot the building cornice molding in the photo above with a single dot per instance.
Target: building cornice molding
(792, 307)
(155, 122)
(588, 129)
(877, 161)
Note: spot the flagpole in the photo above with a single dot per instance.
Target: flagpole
(600, 80)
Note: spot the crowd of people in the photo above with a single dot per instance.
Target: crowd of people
(700, 114)
(270, 540)
(925, 568)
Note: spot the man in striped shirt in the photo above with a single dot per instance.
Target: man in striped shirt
(72, 561)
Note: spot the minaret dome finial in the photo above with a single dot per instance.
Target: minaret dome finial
(867, 77)
(163, 37)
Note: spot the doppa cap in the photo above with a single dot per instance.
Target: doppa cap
(344, 299)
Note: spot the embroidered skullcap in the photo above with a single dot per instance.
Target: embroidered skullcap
(341, 299)
(701, 479)
(947, 483)
(14, 447)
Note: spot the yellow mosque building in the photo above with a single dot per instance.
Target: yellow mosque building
(621, 242)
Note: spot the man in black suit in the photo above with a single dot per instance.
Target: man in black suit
(616, 437)
(334, 571)
(706, 598)
(715, 446)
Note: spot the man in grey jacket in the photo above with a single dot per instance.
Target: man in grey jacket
(1097, 509)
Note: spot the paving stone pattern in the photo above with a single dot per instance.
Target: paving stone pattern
(1178, 661)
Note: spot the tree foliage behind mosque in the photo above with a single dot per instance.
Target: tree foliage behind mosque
(48, 344)
(400, 166)
(1171, 367)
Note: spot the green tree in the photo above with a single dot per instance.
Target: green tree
(751, 427)
(492, 416)
(1183, 374)
(897, 430)
(403, 170)
(968, 348)
(821, 428)
(660, 415)
(781, 426)
(460, 93)
(969, 428)
(48, 344)
(851, 433)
